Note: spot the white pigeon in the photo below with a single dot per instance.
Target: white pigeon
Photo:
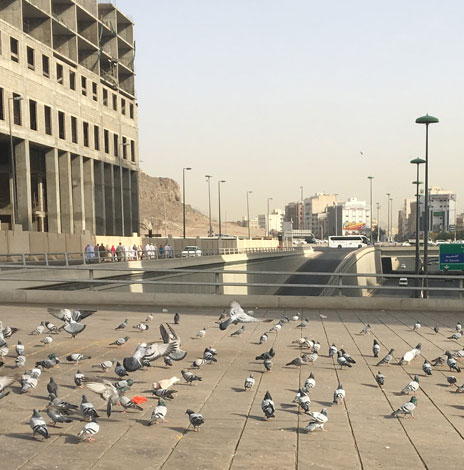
(296, 317)
(19, 348)
(237, 315)
(38, 329)
(47, 340)
(159, 413)
(249, 382)
(318, 419)
(310, 383)
(412, 386)
(339, 394)
(201, 333)
(88, 431)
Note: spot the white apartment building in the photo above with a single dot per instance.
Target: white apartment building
(355, 217)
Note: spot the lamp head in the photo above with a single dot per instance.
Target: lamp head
(427, 120)
(187, 168)
(417, 161)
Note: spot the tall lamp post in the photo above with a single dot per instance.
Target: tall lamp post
(183, 198)
(268, 221)
(417, 162)
(210, 231)
(378, 222)
(370, 215)
(219, 205)
(13, 164)
(390, 200)
(248, 213)
(301, 192)
(426, 120)
(388, 217)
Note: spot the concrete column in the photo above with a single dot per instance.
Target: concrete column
(117, 200)
(52, 177)
(77, 173)
(134, 176)
(89, 195)
(126, 180)
(23, 184)
(64, 165)
(100, 210)
(109, 200)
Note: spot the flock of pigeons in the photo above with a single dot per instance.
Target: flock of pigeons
(114, 392)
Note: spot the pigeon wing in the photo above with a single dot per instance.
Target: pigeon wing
(6, 382)
(59, 313)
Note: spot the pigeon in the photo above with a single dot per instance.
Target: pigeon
(120, 341)
(451, 379)
(105, 365)
(19, 349)
(427, 368)
(57, 415)
(74, 328)
(167, 361)
(89, 430)
(296, 317)
(339, 394)
(165, 310)
(20, 361)
(412, 386)
(299, 361)
(380, 379)
(52, 387)
(303, 324)
(237, 315)
(436, 329)
(267, 365)
(196, 419)
(5, 382)
(28, 382)
(127, 403)
(239, 331)
(302, 400)
(87, 409)
(4, 351)
(276, 328)
(52, 328)
(317, 421)
(323, 317)
(209, 356)
(38, 425)
(7, 331)
(176, 318)
(120, 370)
(189, 377)
(408, 357)
(76, 358)
(407, 409)
(2, 363)
(201, 333)
(387, 359)
(164, 393)
(38, 329)
(197, 363)
(416, 326)
(332, 350)
(141, 326)
(440, 360)
(459, 354)
(78, 379)
(123, 385)
(249, 382)
(452, 364)
(456, 335)
(49, 363)
(366, 330)
(342, 362)
(316, 347)
(66, 315)
(310, 383)
(62, 405)
(47, 340)
(347, 357)
(263, 338)
(458, 326)
(417, 350)
(267, 355)
(268, 407)
(165, 383)
(149, 317)
(302, 342)
(122, 325)
(106, 390)
(376, 348)
(159, 413)
(460, 389)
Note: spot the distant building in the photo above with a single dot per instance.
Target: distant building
(276, 219)
(442, 210)
(406, 220)
(355, 217)
(314, 213)
(294, 214)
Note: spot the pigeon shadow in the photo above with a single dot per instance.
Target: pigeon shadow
(291, 429)
(17, 435)
(286, 410)
(325, 403)
(370, 385)
(177, 429)
(399, 394)
(237, 389)
(71, 387)
(389, 417)
(287, 405)
(443, 385)
(71, 439)
(458, 407)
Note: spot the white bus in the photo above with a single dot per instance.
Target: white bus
(348, 241)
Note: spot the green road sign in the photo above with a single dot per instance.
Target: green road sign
(452, 257)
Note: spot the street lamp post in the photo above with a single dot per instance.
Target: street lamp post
(370, 215)
(388, 217)
(378, 222)
(219, 205)
(301, 191)
(268, 221)
(183, 198)
(13, 164)
(248, 213)
(390, 200)
(426, 120)
(417, 162)
(208, 178)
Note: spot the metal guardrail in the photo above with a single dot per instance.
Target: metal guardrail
(81, 257)
(115, 280)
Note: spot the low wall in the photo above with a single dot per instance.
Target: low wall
(121, 299)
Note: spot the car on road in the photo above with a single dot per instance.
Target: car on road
(191, 251)
(403, 282)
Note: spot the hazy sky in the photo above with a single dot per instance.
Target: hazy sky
(271, 95)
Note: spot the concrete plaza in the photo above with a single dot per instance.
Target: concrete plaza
(361, 434)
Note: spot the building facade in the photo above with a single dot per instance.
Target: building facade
(314, 211)
(355, 217)
(294, 214)
(68, 118)
(272, 222)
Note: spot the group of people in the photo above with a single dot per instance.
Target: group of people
(101, 253)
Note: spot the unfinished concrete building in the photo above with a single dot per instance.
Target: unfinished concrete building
(68, 118)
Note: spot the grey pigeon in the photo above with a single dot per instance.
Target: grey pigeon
(427, 368)
(159, 413)
(339, 394)
(436, 329)
(122, 325)
(74, 328)
(298, 361)
(417, 326)
(407, 409)
(451, 379)
(38, 425)
(267, 365)
(52, 387)
(164, 393)
(263, 338)
(341, 360)
(189, 377)
(76, 358)
(304, 323)
(176, 318)
(120, 341)
(127, 404)
(332, 350)
(120, 370)
(387, 359)
(366, 330)
(412, 386)
(268, 407)
(376, 348)
(239, 331)
(78, 379)
(196, 419)
(19, 348)
(451, 361)
(87, 409)
(310, 383)
(57, 415)
(267, 355)
(380, 379)
(302, 400)
(317, 421)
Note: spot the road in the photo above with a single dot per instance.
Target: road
(326, 262)
(405, 292)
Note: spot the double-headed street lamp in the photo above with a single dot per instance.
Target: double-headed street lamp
(268, 220)
(417, 162)
(219, 205)
(426, 120)
(370, 215)
(13, 164)
(248, 214)
(210, 231)
(183, 198)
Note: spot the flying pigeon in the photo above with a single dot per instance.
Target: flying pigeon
(196, 419)
(66, 315)
(159, 413)
(412, 386)
(38, 425)
(376, 348)
(387, 359)
(339, 394)
(106, 390)
(268, 407)
(249, 382)
(237, 315)
(89, 430)
(407, 409)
